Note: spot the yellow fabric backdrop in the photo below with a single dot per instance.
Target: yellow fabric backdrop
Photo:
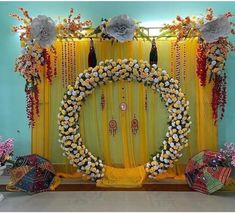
(125, 149)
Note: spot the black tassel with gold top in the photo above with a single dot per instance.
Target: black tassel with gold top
(153, 56)
(92, 61)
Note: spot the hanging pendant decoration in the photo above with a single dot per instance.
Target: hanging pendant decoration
(102, 101)
(92, 61)
(65, 64)
(146, 101)
(74, 62)
(69, 64)
(123, 104)
(112, 127)
(134, 125)
(184, 61)
(172, 59)
(153, 56)
(177, 59)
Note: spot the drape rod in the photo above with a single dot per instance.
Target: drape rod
(97, 37)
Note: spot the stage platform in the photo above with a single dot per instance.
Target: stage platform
(79, 185)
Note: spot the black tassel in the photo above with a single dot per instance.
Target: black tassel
(153, 57)
(92, 61)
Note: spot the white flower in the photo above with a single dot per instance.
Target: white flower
(95, 74)
(179, 127)
(101, 63)
(121, 28)
(181, 136)
(155, 80)
(146, 70)
(213, 63)
(213, 30)
(167, 83)
(43, 30)
(179, 116)
(164, 72)
(82, 94)
(175, 136)
(169, 100)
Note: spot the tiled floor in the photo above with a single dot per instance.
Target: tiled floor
(118, 201)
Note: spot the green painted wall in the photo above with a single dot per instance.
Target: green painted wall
(13, 121)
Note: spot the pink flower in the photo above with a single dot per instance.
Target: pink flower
(6, 148)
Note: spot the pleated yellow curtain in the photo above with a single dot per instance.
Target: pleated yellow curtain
(125, 149)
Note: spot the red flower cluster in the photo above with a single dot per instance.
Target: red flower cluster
(219, 97)
(201, 63)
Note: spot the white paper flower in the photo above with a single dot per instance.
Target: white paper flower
(43, 30)
(213, 30)
(121, 28)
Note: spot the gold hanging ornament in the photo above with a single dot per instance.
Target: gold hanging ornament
(134, 125)
(123, 104)
(113, 127)
(102, 101)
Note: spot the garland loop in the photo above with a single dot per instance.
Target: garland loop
(110, 70)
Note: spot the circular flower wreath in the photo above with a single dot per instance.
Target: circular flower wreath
(110, 70)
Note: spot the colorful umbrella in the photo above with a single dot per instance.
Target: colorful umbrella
(206, 172)
(32, 173)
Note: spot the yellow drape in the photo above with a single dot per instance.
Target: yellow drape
(125, 149)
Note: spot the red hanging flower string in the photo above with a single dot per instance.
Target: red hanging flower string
(36, 97)
(215, 99)
(47, 59)
(30, 107)
(201, 63)
(223, 100)
(218, 97)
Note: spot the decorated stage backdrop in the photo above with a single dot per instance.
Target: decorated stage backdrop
(124, 118)
(124, 145)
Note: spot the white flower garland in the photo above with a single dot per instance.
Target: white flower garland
(110, 70)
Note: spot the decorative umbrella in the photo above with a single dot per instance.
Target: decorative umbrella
(207, 172)
(32, 173)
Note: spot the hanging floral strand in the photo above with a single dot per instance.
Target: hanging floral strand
(201, 63)
(213, 47)
(47, 58)
(37, 36)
